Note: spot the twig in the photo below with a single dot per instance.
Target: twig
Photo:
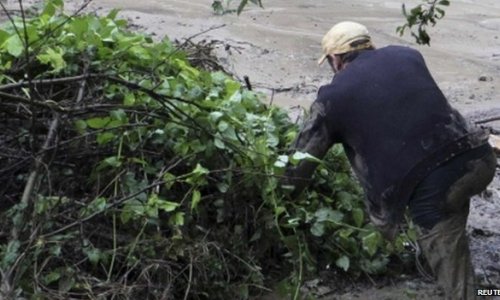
(247, 82)
(190, 279)
(39, 161)
(150, 92)
(198, 34)
(49, 81)
(114, 204)
(487, 120)
(49, 104)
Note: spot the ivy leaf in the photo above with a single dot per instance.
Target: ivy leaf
(93, 254)
(219, 143)
(298, 156)
(358, 216)
(14, 46)
(168, 206)
(51, 277)
(105, 137)
(195, 199)
(318, 229)
(113, 161)
(281, 162)
(11, 253)
(328, 214)
(53, 58)
(98, 123)
(371, 242)
(177, 219)
(343, 262)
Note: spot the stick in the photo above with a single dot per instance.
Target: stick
(46, 104)
(49, 81)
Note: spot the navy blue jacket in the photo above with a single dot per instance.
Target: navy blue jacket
(391, 117)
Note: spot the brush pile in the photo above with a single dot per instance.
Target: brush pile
(128, 172)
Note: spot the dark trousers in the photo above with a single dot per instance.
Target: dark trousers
(440, 206)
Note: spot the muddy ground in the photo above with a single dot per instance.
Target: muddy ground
(277, 48)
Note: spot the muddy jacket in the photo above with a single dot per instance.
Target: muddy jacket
(394, 123)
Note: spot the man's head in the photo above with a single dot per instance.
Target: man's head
(341, 39)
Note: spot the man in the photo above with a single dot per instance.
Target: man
(407, 146)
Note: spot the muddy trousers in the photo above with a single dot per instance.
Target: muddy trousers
(440, 207)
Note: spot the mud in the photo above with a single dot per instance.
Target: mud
(277, 48)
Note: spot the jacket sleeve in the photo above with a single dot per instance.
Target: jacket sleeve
(313, 139)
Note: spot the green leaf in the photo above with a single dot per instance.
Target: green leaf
(217, 7)
(200, 170)
(371, 242)
(98, 123)
(343, 262)
(51, 277)
(4, 35)
(113, 13)
(66, 283)
(177, 219)
(55, 250)
(129, 99)
(113, 161)
(219, 143)
(328, 214)
(93, 254)
(105, 137)
(97, 205)
(195, 199)
(168, 206)
(14, 46)
(318, 229)
(298, 156)
(222, 187)
(53, 58)
(169, 179)
(358, 216)
(11, 253)
(242, 5)
(222, 126)
(281, 161)
(80, 126)
(119, 114)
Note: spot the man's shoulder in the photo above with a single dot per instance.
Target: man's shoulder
(392, 50)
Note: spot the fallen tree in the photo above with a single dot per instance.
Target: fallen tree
(128, 172)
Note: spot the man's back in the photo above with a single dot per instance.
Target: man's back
(388, 112)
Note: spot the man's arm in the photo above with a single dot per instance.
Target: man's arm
(313, 139)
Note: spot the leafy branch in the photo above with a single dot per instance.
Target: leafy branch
(422, 16)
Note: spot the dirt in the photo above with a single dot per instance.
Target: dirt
(277, 48)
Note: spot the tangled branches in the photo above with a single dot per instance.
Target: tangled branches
(130, 173)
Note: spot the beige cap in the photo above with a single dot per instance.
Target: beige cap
(340, 37)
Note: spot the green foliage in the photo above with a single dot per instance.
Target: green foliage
(165, 179)
(421, 16)
(221, 7)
